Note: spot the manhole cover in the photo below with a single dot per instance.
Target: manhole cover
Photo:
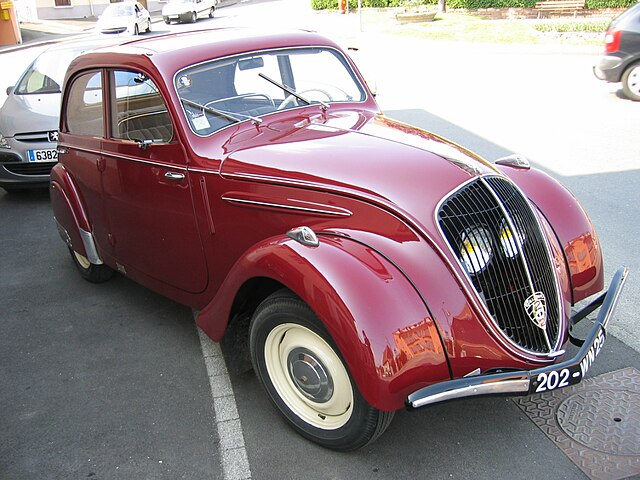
(604, 420)
(595, 423)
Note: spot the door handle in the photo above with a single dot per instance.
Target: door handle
(174, 176)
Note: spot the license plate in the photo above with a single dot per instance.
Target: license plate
(47, 155)
(563, 377)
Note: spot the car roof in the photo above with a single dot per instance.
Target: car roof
(173, 51)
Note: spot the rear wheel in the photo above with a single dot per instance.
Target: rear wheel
(136, 30)
(212, 12)
(631, 82)
(301, 369)
(194, 17)
(89, 271)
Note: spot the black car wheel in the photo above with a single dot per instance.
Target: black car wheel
(136, 30)
(631, 82)
(89, 271)
(194, 17)
(212, 11)
(306, 378)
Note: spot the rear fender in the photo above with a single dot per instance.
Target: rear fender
(71, 219)
(572, 226)
(380, 324)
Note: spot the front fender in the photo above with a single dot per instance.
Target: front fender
(571, 225)
(381, 326)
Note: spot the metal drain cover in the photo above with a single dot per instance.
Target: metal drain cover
(595, 423)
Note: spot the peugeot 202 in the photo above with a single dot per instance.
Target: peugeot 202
(361, 264)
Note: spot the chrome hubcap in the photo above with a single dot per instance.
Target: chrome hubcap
(309, 375)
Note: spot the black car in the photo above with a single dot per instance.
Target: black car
(621, 61)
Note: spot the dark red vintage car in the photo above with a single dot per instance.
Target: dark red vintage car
(362, 264)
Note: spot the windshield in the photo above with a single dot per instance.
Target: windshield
(222, 92)
(118, 11)
(46, 73)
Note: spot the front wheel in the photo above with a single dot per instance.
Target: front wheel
(631, 82)
(194, 17)
(306, 378)
(89, 271)
(136, 30)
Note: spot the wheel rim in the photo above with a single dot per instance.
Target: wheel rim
(82, 260)
(211, 13)
(309, 376)
(633, 81)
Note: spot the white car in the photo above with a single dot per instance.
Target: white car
(124, 17)
(187, 10)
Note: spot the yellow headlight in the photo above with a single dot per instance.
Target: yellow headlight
(475, 249)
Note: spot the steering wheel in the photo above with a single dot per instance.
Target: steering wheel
(292, 98)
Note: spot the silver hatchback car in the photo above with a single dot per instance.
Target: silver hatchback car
(29, 116)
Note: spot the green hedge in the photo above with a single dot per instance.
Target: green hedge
(469, 4)
(609, 3)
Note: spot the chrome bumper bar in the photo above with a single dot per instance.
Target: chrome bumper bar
(525, 382)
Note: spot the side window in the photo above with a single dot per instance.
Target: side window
(138, 110)
(84, 105)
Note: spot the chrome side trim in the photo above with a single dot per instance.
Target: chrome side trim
(258, 203)
(131, 158)
(90, 247)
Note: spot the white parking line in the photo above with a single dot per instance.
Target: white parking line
(235, 463)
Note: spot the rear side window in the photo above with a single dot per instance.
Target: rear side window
(138, 110)
(84, 105)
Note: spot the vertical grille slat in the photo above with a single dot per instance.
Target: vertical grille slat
(492, 212)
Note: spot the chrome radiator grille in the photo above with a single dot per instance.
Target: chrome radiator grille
(495, 235)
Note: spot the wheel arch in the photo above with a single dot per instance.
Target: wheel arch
(362, 299)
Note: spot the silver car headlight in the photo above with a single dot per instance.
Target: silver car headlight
(475, 249)
(3, 142)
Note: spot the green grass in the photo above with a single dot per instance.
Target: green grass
(468, 28)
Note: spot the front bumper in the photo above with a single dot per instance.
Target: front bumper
(16, 170)
(552, 377)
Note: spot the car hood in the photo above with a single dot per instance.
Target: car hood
(369, 156)
(29, 113)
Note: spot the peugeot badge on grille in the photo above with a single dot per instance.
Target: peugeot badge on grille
(536, 307)
(53, 136)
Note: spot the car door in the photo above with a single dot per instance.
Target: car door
(146, 187)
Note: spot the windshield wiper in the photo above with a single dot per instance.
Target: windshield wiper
(222, 113)
(291, 91)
